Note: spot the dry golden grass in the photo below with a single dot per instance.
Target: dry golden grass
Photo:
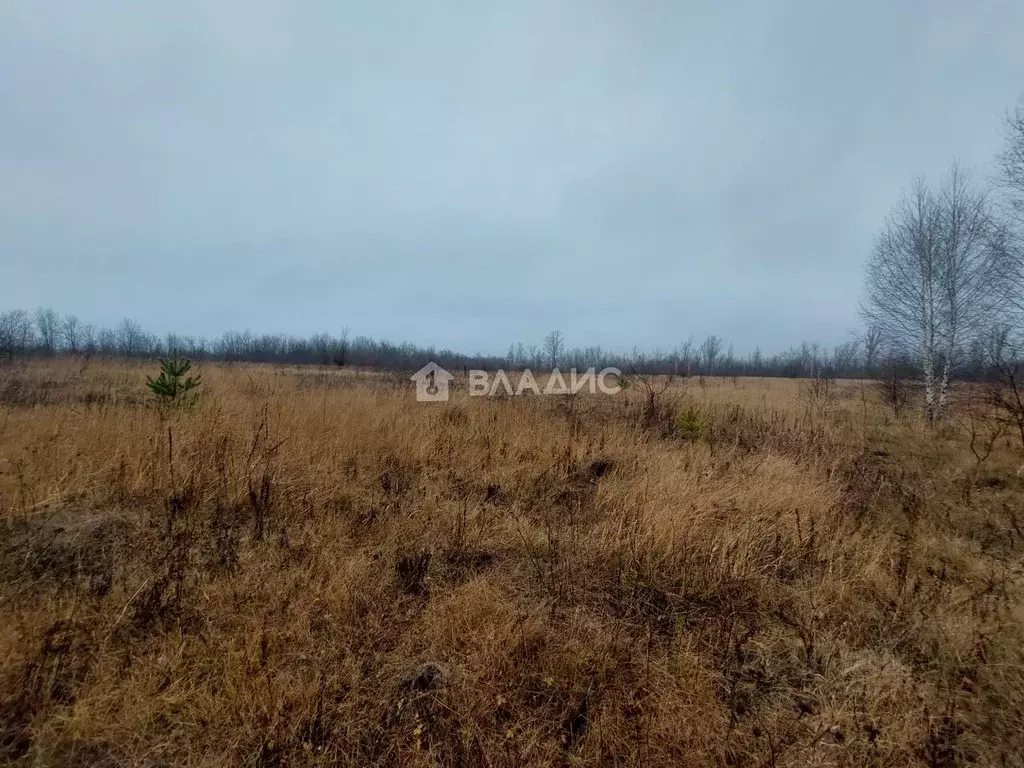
(310, 568)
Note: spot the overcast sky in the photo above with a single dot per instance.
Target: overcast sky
(472, 173)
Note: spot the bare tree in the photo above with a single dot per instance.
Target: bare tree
(323, 343)
(107, 341)
(1011, 185)
(1012, 163)
(130, 337)
(48, 325)
(756, 360)
(686, 352)
(872, 339)
(341, 350)
(929, 282)
(71, 332)
(535, 356)
(844, 356)
(175, 345)
(1006, 390)
(87, 335)
(730, 358)
(554, 346)
(710, 350)
(149, 345)
(16, 333)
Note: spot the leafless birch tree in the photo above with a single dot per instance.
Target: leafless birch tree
(932, 283)
(686, 352)
(710, 350)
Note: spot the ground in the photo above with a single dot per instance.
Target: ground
(307, 567)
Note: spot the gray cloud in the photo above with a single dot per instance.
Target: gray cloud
(469, 174)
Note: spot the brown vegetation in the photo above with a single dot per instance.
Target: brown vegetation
(309, 568)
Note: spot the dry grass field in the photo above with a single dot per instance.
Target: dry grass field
(308, 567)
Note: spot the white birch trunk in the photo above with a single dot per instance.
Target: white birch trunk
(929, 388)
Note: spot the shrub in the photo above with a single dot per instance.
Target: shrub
(895, 384)
(691, 424)
(819, 393)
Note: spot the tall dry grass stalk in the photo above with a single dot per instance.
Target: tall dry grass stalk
(309, 567)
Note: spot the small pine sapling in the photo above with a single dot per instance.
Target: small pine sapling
(170, 385)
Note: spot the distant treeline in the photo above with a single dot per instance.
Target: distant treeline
(47, 333)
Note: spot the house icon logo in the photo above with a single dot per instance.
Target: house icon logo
(432, 383)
